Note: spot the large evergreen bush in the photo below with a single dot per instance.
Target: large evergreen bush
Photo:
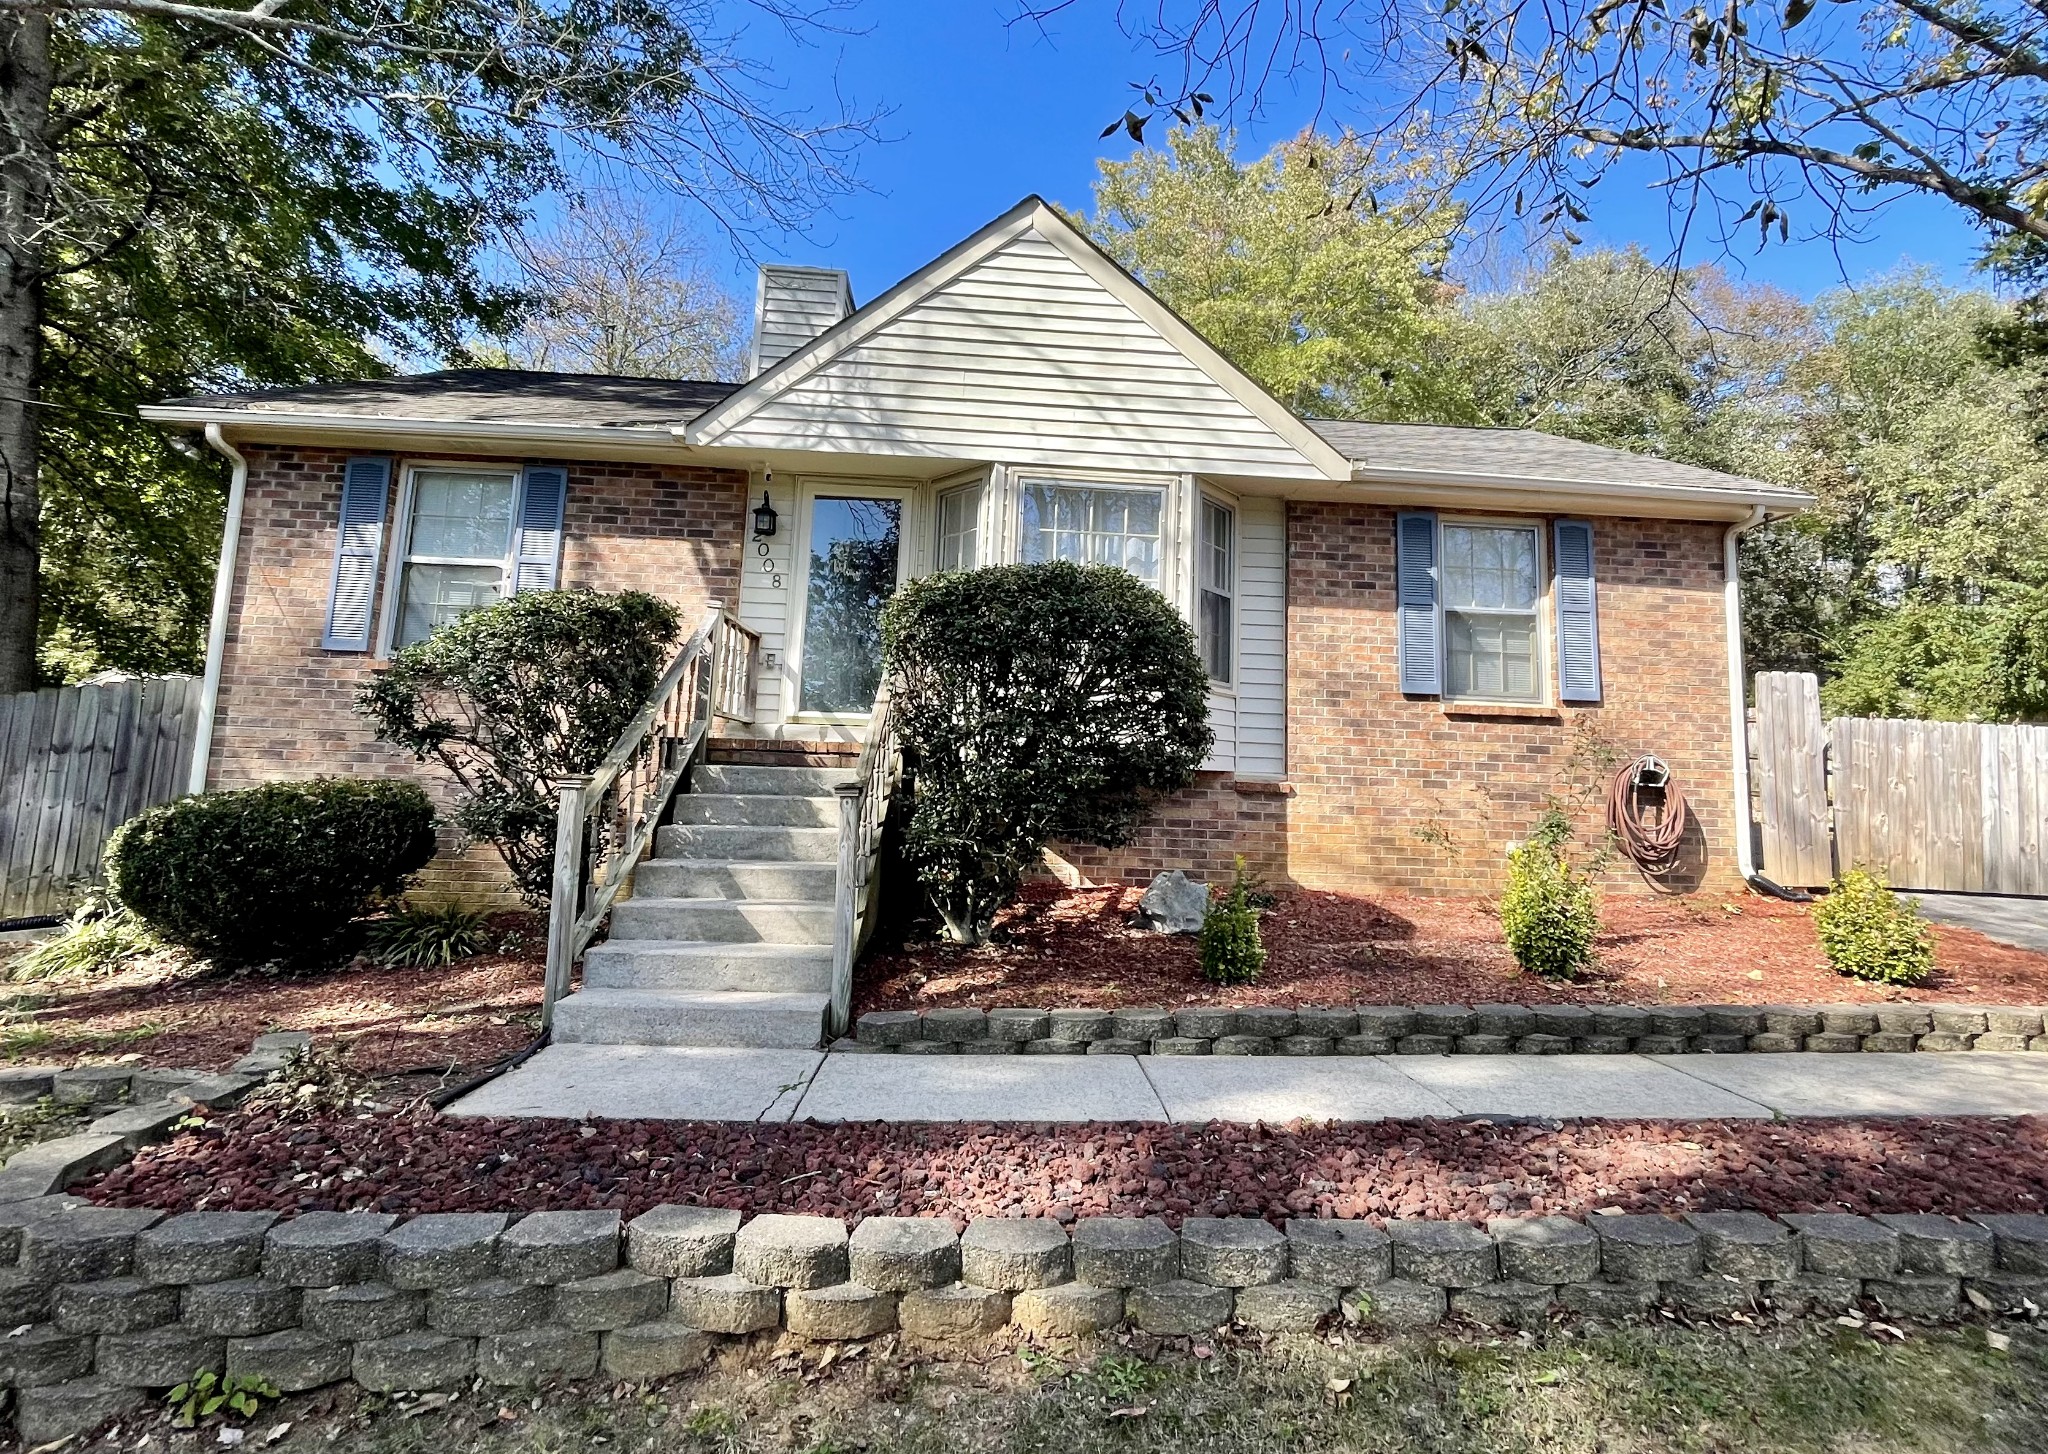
(270, 872)
(514, 697)
(1038, 703)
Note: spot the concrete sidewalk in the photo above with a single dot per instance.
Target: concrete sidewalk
(783, 1085)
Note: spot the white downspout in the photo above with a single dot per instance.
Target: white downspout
(223, 595)
(1738, 701)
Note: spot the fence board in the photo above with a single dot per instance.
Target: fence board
(75, 764)
(1792, 779)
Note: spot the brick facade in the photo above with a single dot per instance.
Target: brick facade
(287, 707)
(1391, 792)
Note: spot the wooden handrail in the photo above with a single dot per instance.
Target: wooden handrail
(863, 810)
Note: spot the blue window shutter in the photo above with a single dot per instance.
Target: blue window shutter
(1421, 614)
(1578, 614)
(538, 539)
(358, 552)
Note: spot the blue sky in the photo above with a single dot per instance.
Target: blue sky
(983, 112)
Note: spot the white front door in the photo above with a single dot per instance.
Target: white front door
(852, 559)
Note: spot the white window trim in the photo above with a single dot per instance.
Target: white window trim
(1172, 511)
(1203, 498)
(808, 489)
(401, 540)
(1546, 685)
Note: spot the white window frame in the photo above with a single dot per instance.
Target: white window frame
(1205, 501)
(401, 541)
(1167, 490)
(1546, 687)
(808, 489)
(978, 490)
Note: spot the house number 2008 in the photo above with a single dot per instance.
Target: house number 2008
(768, 565)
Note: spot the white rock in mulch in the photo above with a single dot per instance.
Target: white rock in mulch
(1174, 904)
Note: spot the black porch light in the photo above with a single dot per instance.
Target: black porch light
(764, 518)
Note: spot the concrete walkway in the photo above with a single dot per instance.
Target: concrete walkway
(2007, 918)
(783, 1085)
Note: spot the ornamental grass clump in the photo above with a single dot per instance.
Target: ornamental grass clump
(1548, 913)
(1869, 932)
(1231, 950)
(1036, 703)
(428, 936)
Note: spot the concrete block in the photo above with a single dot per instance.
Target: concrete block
(1274, 1022)
(1939, 1246)
(241, 1307)
(291, 1361)
(1991, 1040)
(1180, 1045)
(1054, 1047)
(138, 1126)
(1388, 1022)
(1904, 1020)
(359, 1310)
(159, 1357)
(1423, 1045)
(1797, 1021)
(1733, 1020)
(1331, 1024)
(1450, 1021)
(84, 1244)
(1835, 1244)
(1566, 1022)
(114, 1305)
(1178, 1308)
(1508, 1022)
(1769, 1044)
(1125, 1251)
(1610, 1300)
(1396, 1303)
(91, 1085)
(51, 1166)
(1620, 1022)
(611, 1300)
(1603, 1045)
(844, 1310)
(960, 1311)
(1545, 1250)
(727, 1303)
(1077, 1026)
(43, 1353)
(2019, 1239)
(2007, 1292)
(1812, 1292)
(414, 1362)
(216, 1092)
(204, 1246)
(928, 1047)
(1712, 1295)
(494, 1305)
(784, 1251)
(955, 1025)
(1825, 1044)
(160, 1085)
(1205, 1022)
(60, 1411)
(1484, 1045)
(676, 1241)
(1304, 1045)
(326, 1249)
(1957, 1020)
(888, 1027)
(15, 1217)
(1940, 1042)
(1856, 1020)
(1070, 1310)
(1444, 1254)
(1241, 1045)
(1231, 1251)
(1712, 1044)
(1119, 1047)
(1884, 1043)
(24, 1299)
(847, 1045)
(1745, 1245)
(24, 1085)
(899, 1254)
(1543, 1045)
(1285, 1307)
(282, 1042)
(1504, 1304)
(654, 1350)
(1018, 1026)
(1363, 1045)
(536, 1355)
(1333, 1253)
(991, 1047)
(1146, 1024)
(2022, 1021)
(443, 1249)
(557, 1247)
(1908, 1296)
(1011, 1254)
(1646, 1248)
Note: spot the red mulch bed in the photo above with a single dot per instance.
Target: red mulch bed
(1062, 946)
(419, 1162)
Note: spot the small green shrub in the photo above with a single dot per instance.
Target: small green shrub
(205, 1394)
(1230, 947)
(100, 937)
(1869, 932)
(427, 936)
(270, 872)
(1548, 913)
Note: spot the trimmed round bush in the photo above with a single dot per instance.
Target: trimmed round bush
(1868, 932)
(270, 872)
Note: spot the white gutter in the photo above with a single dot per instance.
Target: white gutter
(1757, 493)
(1738, 697)
(498, 429)
(223, 595)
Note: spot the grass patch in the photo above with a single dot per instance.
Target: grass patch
(21, 1042)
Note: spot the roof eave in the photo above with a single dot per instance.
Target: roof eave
(1775, 500)
(478, 429)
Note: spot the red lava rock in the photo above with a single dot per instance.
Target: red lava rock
(418, 1162)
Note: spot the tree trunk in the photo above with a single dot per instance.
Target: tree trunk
(26, 76)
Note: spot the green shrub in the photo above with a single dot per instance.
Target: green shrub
(1037, 703)
(427, 936)
(512, 698)
(1869, 932)
(270, 872)
(1547, 912)
(1230, 947)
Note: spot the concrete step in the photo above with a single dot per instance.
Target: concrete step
(728, 841)
(710, 878)
(722, 921)
(802, 782)
(757, 810)
(756, 1019)
(694, 964)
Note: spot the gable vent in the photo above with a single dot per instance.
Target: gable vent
(792, 307)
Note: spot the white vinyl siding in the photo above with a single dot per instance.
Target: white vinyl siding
(767, 591)
(1025, 358)
(1250, 719)
(794, 306)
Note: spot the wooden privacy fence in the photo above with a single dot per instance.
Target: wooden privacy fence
(75, 764)
(1934, 805)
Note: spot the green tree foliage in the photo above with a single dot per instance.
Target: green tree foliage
(1316, 268)
(1036, 703)
(512, 698)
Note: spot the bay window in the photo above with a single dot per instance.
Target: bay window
(1092, 524)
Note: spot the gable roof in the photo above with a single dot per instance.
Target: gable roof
(936, 302)
(511, 396)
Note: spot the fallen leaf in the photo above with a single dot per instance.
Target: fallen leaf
(1203, 1350)
(2000, 1342)
(277, 1431)
(1977, 1300)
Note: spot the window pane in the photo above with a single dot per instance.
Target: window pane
(1489, 568)
(1092, 526)
(1216, 613)
(434, 595)
(959, 529)
(462, 514)
(1491, 656)
(854, 545)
